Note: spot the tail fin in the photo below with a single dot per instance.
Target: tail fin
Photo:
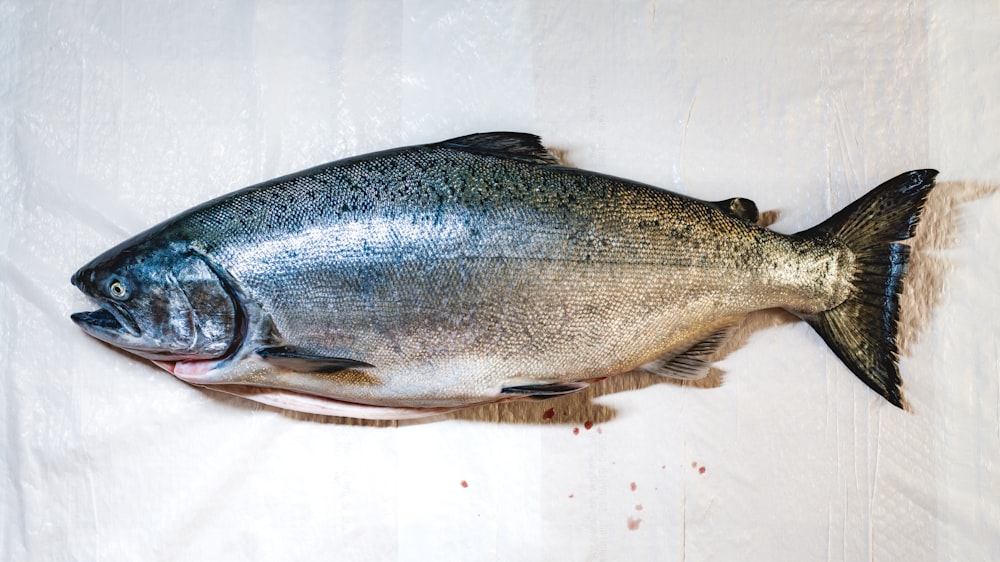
(862, 330)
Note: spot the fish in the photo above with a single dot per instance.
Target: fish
(419, 280)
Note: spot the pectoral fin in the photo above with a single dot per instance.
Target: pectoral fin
(691, 363)
(542, 391)
(292, 358)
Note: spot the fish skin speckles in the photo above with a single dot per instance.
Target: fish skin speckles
(414, 281)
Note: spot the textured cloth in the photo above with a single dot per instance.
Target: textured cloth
(116, 115)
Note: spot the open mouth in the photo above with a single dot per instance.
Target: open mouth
(98, 318)
(106, 320)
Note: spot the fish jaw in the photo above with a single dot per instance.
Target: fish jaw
(115, 327)
(108, 323)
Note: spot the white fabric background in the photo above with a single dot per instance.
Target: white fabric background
(115, 115)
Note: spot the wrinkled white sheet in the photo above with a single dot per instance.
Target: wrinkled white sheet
(116, 115)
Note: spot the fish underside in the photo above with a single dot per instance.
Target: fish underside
(427, 278)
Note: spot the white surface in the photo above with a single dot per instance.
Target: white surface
(115, 115)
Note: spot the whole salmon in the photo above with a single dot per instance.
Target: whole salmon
(422, 279)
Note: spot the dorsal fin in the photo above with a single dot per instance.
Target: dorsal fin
(516, 146)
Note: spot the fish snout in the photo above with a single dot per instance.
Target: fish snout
(83, 276)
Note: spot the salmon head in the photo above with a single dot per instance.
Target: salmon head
(160, 301)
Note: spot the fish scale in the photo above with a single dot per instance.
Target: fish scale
(478, 269)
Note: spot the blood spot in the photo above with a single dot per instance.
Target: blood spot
(701, 470)
(576, 431)
(588, 424)
(465, 484)
(633, 486)
(638, 507)
(571, 496)
(633, 523)
(549, 414)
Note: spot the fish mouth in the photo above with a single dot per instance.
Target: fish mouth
(99, 318)
(108, 323)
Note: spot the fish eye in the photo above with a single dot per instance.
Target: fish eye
(117, 288)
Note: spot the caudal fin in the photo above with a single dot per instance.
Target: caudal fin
(862, 329)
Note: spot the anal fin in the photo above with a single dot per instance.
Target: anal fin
(692, 362)
(295, 359)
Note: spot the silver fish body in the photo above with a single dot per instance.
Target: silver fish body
(468, 271)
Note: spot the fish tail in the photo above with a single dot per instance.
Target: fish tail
(861, 331)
